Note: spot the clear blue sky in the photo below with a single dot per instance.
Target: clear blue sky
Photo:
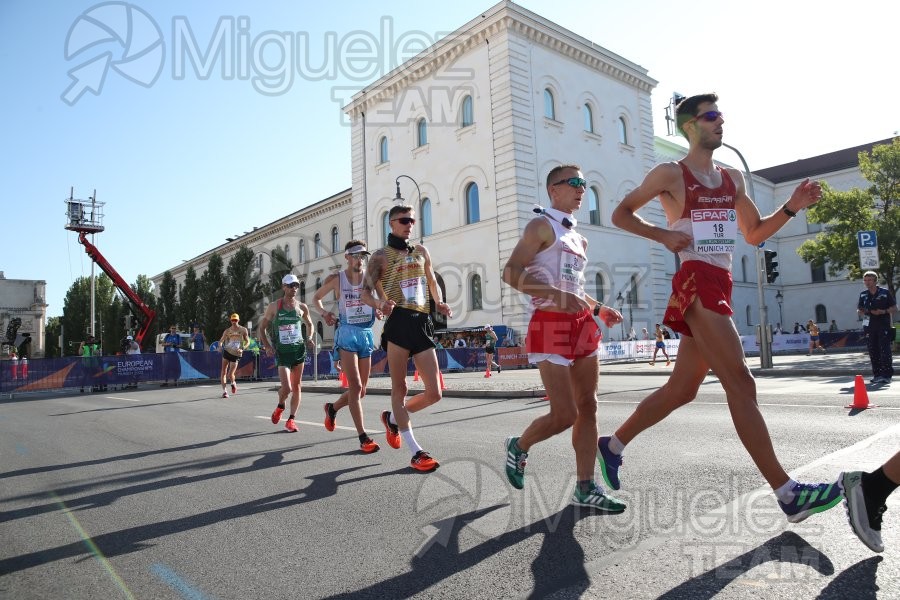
(185, 161)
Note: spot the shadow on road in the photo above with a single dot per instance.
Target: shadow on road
(559, 565)
(788, 547)
(133, 539)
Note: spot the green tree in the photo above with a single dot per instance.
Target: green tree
(212, 298)
(874, 208)
(168, 301)
(244, 285)
(76, 315)
(281, 266)
(189, 298)
(51, 337)
(113, 326)
(143, 287)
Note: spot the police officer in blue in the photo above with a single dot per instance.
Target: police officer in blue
(876, 305)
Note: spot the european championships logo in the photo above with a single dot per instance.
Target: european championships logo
(112, 35)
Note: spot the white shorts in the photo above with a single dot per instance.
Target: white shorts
(557, 359)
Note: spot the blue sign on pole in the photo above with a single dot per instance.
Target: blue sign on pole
(866, 239)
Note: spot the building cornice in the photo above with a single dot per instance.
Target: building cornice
(501, 17)
(266, 233)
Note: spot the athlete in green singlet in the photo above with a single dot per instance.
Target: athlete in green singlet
(281, 334)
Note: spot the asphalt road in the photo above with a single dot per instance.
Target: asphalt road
(177, 493)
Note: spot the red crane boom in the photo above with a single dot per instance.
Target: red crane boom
(148, 313)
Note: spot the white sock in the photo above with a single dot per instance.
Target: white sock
(786, 492)
(616, 446)
(410, 440)
(391, 419)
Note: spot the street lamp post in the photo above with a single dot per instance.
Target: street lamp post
(620, 302)
(779, 298)
(399, 200)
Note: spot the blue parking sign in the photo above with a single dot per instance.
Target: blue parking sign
(866, 239)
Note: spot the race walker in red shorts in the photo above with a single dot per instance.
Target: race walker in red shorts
(705, 206)
(563, 339)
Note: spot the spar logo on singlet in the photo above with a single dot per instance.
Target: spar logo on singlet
(713, 214)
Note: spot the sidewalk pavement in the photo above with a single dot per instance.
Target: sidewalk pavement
(526, 383)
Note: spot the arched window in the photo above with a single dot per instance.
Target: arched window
(475, 292)
(744, 260)
(549, 106)
(426, 217)
(320, 330)
(600, 286)
(821, 313)
(588, 118)
(467, 113)
(473, 213)
(287, 252)
(259, 261)
(421, 132)
(749, 313)
(623, 130)
(385, 226)
(594, 206)
(334, 240)
(303, 292)
(317, 245)
(301, 251)
(318, 283)
(383, 150)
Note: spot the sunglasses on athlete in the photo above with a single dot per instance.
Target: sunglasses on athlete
(709, 116)
(293, 285)
(575, 182)
(405, 220)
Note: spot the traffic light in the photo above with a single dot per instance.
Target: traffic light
(771, 265)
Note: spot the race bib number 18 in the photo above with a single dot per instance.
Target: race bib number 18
(714, 230)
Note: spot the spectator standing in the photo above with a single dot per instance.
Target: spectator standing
(198, 341)
(876, 305)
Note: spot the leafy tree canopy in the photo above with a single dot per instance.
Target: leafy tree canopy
(845, 213)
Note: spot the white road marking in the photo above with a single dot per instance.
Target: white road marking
(298, 422)
(845, 457)
(120, 398)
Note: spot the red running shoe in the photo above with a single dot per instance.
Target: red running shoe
(276, 414)
(391, 433)
(369, 446)
(422, 462)
(224, 394)
(330, 414)
(233, 388)
(290, 426)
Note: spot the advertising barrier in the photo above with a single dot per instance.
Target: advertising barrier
(121, 370)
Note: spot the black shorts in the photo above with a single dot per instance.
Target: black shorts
(226, 355)
(488, 349)
(409, 329)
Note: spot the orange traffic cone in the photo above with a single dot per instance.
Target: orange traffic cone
(860, 395)
(441, 378)
(416, 376)
(344, 383)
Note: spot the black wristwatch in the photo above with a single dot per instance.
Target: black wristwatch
(788, 211)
